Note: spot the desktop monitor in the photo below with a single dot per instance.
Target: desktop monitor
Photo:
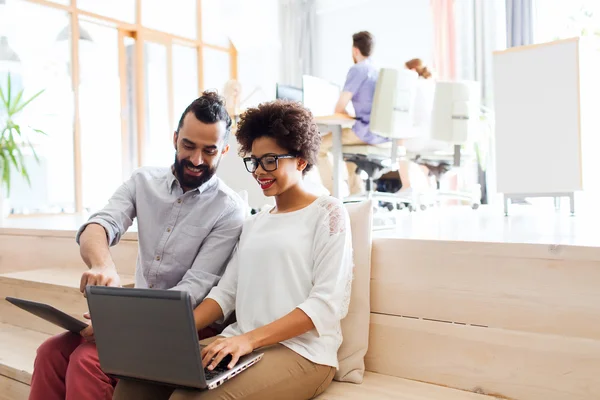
(286, 92)
(320, 96)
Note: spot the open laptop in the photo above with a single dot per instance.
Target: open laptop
(150, 335)
(321, 96)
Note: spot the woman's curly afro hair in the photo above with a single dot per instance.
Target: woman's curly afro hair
(288, 123)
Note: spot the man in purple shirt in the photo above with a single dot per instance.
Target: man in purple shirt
(360, 88)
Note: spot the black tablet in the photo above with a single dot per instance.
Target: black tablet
(50, 314)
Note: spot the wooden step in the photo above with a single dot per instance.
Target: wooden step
(383, 387)
(13, 390)
(58, 287)
(30, 249)
(18, 347)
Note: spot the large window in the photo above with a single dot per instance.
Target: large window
(158, 139)
(112, 97)
(122, 10)
(213, 23)
(33, 32)
(176, 17)
(217, 69)
(560, 19)
(99, 113)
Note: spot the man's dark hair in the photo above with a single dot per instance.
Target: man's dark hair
(288, 123)
(364, 42)
(210, 109)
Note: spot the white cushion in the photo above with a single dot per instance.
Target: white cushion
(355, 327)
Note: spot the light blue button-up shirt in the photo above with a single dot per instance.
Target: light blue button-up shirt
(184, 239)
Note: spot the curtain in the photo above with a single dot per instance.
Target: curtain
(298, 32)
(444, 56)
(480, 30)
(519, 22)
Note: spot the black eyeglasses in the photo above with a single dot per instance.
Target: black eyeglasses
(268, 162)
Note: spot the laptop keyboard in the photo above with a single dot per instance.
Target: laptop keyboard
(219, 369)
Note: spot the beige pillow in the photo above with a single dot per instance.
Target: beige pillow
(355, 327)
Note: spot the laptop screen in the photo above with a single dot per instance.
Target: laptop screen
(320, 96)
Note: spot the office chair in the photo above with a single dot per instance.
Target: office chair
(391, 117)
(455, 121)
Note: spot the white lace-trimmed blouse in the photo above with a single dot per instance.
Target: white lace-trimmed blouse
(301, 259)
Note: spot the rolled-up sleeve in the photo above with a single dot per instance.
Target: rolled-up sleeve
(215, 252)
(328, 300)
(117, 216)
(225, 292)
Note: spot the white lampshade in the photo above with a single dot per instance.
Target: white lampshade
(6, 52)
(456, 111)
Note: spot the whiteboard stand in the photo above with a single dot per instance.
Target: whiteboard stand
(556, 196)
(546, 137)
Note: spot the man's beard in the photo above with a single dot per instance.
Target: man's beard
(192, 182)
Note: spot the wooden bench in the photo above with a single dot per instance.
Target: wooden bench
(515, 321)
(450, 320)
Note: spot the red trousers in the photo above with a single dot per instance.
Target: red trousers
(68, 368)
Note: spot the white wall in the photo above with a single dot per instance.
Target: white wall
(403, 30)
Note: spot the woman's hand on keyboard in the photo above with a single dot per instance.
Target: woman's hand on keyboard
(236, 346)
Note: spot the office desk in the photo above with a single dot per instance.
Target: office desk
(334, 124)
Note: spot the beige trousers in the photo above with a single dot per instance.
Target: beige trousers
(355, 183)
(282, 374)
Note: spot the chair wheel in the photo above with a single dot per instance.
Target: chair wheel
(423, 207)
(412, 208)
(475, 206)
(389, 206)
(400, 206)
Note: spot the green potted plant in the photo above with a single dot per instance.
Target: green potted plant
(13, 138)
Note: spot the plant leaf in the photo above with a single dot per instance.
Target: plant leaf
(21, 106)
(37, 159)
(3, 98)
(14, 160)
(18, 151)
(24, 172)
(11, 148)
(21, 167)
(17, 128)
(38, 131)
(6, 174)
(8, 93)
(16, 102)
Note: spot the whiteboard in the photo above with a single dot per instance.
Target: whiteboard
(537, 107)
